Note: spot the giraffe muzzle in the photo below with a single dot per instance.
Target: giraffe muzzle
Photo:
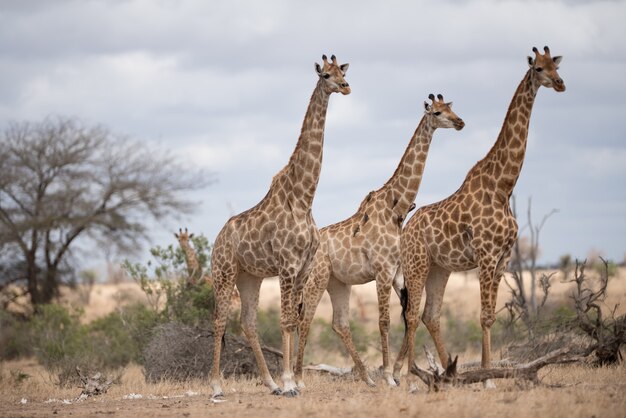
(459, 124)
(559, 85)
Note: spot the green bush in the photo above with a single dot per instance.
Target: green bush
(61, 343)
(459, 334)
(14, 337)
(324, 337)
(268, 327)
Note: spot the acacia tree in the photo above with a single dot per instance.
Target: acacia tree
(61, 181)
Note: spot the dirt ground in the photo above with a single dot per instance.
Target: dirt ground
(584, 392)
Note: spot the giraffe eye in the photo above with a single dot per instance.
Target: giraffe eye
(539, 69)
(326, 76)
(437, 113)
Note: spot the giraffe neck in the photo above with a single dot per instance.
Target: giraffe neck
(303, 170)
(504, 161)
(403, 185)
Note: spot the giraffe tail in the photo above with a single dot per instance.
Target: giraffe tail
(404, 302)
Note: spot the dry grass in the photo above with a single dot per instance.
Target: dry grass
(587, 392)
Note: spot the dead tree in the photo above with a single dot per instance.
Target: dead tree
(92, 386)
(522, 306)
(436, 378)
(608, 333)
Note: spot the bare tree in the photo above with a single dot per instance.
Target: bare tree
(524, 259)
(61, 181)
(608, 331)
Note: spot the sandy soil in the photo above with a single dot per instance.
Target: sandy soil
(584, 392)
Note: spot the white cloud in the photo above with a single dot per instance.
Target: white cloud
(227, 84)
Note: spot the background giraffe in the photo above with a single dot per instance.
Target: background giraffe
(366, 246)
(474, 227)
(195, 272)
(278, 236)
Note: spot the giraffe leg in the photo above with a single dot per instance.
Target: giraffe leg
(340, 298)
(492, 293)
(415, 268)
(249, 287)
(223, 286)
(383, 290)
(435, 288)
(313, 292)
(488, 286)
(288, 324)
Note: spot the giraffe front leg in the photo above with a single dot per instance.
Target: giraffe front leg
(383, 289)
(489, 280)
(249, 287)
(313, 292)
(223, 289)
(288, 325)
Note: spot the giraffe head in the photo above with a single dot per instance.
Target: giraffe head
(544, 69)
(441, 113)
(332, 76)
(183, 237)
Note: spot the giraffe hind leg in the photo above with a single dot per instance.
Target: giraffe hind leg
(340, 299)
(435, 288)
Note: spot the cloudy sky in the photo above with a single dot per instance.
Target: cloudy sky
(225, 84)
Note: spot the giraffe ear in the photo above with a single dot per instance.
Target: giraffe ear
(344, 67)
(557, 60)
(176, 235)
(531, 62)
(318, 69)
(449, 104)
(191, 235)
(426, 106)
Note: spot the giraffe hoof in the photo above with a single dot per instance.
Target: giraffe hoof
(395, 379)
(218, 395)
(291, 393)
(277, 392)
(370, 383)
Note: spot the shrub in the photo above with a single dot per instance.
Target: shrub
(14, 337)
(61, 343)
(268, 328)
(324, 337)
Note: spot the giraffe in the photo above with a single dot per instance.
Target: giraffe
(193, 266)
(366, 246)
(277, 237)
(196, 275)
(474, 227)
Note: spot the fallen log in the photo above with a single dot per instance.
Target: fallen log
(436, 378)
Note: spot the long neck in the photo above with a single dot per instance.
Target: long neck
(193, 267)
(504, 161)
(403, 185)
(303, 170)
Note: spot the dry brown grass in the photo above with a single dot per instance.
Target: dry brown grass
(587, 392)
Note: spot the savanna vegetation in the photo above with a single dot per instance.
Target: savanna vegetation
(65, 187)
